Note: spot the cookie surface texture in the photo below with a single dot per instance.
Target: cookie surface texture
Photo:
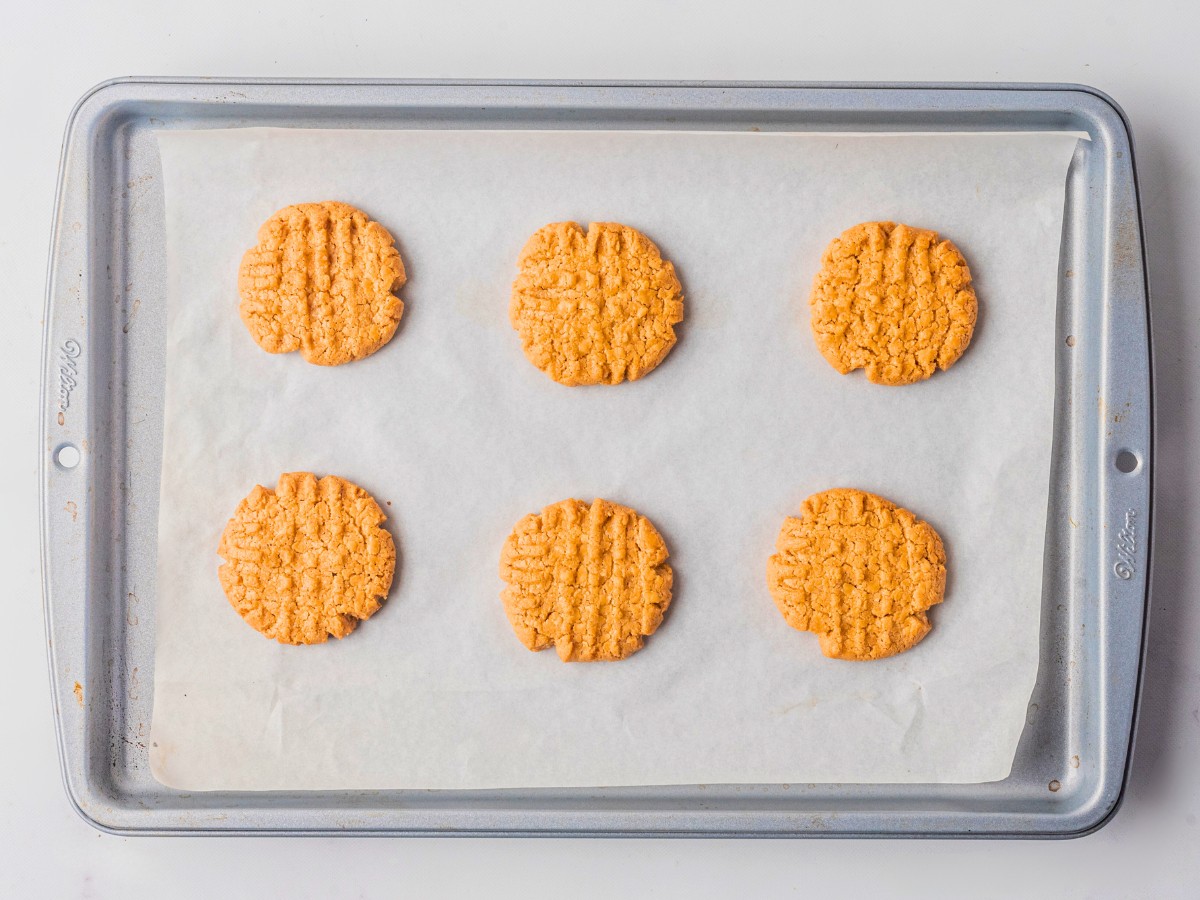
(892, 300)
(858, 571)
(592, 580)
(321, 280)
(308, 559)
(596, 306)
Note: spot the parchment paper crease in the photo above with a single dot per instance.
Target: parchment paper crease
(452, 428)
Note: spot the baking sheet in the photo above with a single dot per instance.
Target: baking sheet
(452, 427)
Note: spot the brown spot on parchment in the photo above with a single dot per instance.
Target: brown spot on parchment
(79, 694)
(72, 509)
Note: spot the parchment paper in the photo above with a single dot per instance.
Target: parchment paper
(460, 436)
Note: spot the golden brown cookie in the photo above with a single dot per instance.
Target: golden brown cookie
(893, 300)
(858, 571)
(308, 559)
(592, 580)
(320, 280)
(596, 306)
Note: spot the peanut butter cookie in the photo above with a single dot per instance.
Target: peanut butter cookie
(307, 560)
(591, 580)
(893, 300)
(858, 571)
(594, 307)
(321, 280)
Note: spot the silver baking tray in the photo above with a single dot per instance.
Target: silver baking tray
(102, 399)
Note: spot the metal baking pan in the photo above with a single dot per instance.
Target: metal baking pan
(102, 402)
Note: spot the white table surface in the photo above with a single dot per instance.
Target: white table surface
(1144, 55)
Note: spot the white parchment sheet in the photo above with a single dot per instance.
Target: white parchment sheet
(458, 437)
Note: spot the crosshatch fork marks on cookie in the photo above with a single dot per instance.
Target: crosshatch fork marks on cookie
(858, 571)
(893, 300)
(595, 307)
(592, 580)
(307, 560)
(321, 281)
